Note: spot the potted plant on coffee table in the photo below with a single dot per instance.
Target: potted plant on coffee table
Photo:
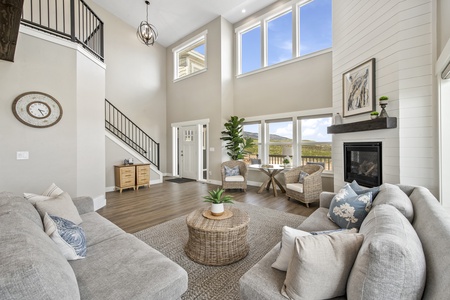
(217, 199)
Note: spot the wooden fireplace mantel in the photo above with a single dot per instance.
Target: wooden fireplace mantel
(379, 123)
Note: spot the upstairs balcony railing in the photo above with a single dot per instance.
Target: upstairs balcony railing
(69, 19)
(123, 128)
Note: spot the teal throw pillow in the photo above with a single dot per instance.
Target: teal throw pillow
(347, 209)
(361, 190)
(232, 171)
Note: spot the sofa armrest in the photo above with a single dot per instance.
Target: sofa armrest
(325, 199)
(84, 204)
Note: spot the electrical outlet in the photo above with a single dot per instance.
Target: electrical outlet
(22, 155)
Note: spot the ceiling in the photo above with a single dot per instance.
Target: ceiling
(175, 19)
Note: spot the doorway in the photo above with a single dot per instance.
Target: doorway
(188, 154)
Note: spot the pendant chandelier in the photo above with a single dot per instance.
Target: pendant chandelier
(146, 32)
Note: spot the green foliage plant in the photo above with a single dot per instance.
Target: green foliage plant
(374, 113)
(236, 144)
(217, 197)
(383, 98)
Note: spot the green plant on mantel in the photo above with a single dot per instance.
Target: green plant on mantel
(217, 197)
(233, 135)
(374, 113)
(383, 98)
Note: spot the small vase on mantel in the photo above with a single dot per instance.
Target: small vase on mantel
(383, 103)
(337, 119)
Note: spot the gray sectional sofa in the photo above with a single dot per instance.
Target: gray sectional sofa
(117, 264)
(399, 277)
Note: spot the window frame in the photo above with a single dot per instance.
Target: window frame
(292, 6)
(183, 46)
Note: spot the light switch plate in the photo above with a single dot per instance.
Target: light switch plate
(22, 155)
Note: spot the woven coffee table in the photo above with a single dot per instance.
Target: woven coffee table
(217, 242)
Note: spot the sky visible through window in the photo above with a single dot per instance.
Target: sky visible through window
(315, 34)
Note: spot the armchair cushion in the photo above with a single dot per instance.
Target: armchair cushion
(236, 178)
(298, 187)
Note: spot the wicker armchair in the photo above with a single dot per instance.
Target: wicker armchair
(235, 182)
(311, 188)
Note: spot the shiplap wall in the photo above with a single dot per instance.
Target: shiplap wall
(398, 34)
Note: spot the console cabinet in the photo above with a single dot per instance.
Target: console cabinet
(131, 176)
(142, 175)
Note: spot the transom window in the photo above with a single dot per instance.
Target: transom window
(190, 57)
(299, 28)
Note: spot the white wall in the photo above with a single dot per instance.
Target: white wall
(50, 65)
(399, 35)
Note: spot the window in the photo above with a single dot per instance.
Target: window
(279, 38)
(280, 44)
(252, 131)
(280, 141)
(190, 57)
(315, 32)
(316, 142)
(251, 49)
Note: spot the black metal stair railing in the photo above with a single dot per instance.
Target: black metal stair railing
(124, 129)
(70, 19)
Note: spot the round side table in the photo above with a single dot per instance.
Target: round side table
(217, 242)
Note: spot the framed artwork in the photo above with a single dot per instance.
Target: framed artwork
(358, 89)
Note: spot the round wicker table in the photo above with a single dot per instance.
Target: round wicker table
(217, 242)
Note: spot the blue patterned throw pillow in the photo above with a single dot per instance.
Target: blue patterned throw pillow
(68, 236)
(232, 171)
(347, 209)
(302, 176)
(361, 190)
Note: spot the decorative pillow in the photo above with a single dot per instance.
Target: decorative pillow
(287, 247)
(301, 176)
(349, 212)
(335, 231)
(51, 192)
(232, 171)
(362, 190)
(391, 263)
(393, 195)
(69, 237)
(320, 266)
(60, 206)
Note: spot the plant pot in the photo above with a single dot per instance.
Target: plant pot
(373, 117)
(383, 102)
(217, 209)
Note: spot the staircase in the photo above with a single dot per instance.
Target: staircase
(128, 132)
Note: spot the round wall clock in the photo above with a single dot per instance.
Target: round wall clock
(37, 109)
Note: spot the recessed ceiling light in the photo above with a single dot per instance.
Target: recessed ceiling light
(243, 10)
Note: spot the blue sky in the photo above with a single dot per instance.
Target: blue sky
(315, 34)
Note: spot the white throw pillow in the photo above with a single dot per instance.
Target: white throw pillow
(61, 206)
(320, 266)
(69, 237)
(287, 247)
(51, 192)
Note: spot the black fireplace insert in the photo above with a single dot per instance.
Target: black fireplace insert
(362, 162)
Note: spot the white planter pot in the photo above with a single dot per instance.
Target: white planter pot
(217, 209)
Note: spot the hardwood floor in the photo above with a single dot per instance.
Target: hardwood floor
(136, 210)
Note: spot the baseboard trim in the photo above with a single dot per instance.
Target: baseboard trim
(99, 202)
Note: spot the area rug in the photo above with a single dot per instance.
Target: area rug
(221, 283)
(180, 180)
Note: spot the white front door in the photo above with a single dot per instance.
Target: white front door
(188, 156)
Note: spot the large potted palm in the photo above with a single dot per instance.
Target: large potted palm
(233, 135)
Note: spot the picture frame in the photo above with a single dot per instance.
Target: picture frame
(358, 89)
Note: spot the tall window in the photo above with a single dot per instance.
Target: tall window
(251, 49)
(190, 57)
(316, 142)
(253, 131)
(315, 30)
(280, 141)
(280, 43)
(279, 38)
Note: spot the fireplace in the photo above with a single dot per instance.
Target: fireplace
(362, 162)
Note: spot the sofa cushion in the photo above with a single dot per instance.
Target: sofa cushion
(318, 221)
(391, 262)
(287, 247)
(98, 229)
(31, 265)
(61, 206)
(102, 274)
(347, 209)
(393, 195)
(13, 203)
(69, 237)
(51, 192)
(320, 259)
